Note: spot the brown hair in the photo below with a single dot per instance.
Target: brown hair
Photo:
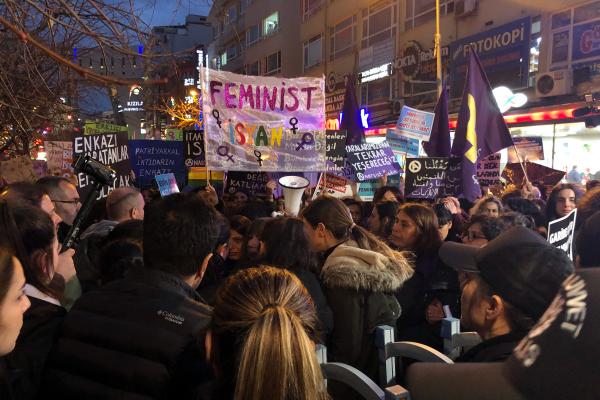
(336, 217)
(267, 319)
(424, 217)
(7, 271)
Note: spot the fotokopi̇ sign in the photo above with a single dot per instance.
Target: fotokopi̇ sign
(257, 123)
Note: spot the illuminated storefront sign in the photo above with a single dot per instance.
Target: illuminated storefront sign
(383, 71)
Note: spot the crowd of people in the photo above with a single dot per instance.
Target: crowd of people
(202, 296)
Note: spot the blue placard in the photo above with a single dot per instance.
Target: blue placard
(586, 41)
(156, 157)
(503, 52)
(402, 144)
(413, 123)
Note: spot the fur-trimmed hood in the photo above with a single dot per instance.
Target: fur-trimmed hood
(351, 267)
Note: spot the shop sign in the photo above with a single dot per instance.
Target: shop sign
(586, 41)
(415, 63)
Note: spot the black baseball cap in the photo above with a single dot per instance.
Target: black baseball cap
(519, 265)
(557, 360)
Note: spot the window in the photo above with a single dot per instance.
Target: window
(313, 52)
(375, 92)
(273, 64)
(252, 69)
(310, 7)
(379, 22)
(244, 4)
(232, 52)
(534, 49)
(419, 12)
(252, 35)
(342, 37)
(223, 58)
(215, 63)
(271, 24)
(231, 15)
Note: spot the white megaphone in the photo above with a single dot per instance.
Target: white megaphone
(293, 187)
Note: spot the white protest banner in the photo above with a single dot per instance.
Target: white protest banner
(59, 155)
(414, 123)
(561, 232)
(333, 185)
(257, 123)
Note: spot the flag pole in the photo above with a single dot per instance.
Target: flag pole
(437, 47)
(521, 163)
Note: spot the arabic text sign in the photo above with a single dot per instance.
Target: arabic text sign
(372, 160)
(109, 149)
(488, 170)
(257, 123)
(561, 232)
(432, 177)
(333, 185)
(414, 123)
(156, 157)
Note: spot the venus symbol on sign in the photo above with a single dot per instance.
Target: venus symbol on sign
(258, 155)
(293, 123)
(307, 140)
(223, 151)
(217, 116)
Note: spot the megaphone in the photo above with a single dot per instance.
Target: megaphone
(293, 187)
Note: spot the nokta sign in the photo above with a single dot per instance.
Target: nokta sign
(372, 160)
(561, 232)
(109, 149)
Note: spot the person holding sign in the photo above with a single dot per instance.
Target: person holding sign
(562, 200)
(360, 275)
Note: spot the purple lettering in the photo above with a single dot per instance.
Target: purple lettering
(213, 90)
(267, 99)
(308, 91)
(229, 97)
(247, 95)
(292, 91)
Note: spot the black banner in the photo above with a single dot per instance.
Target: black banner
(193, 146)
(561, 232)
(336, 150)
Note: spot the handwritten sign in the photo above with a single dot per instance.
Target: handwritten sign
(109, 149)
(432, 177)
(59, 157)
(257, 123)
(488, 170)
(402, 144)
(251, 183)
(333, 185)
(336, 150)
(193, 146)
(156, 157)
(414, 123)
(18, 169)
(372, 160)
(530, 148)
(167, 184)
(561, 232)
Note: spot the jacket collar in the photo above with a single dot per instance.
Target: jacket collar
(351, 267)
(163, 280)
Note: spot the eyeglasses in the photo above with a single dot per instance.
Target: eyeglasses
(66, 201)
(470, 236)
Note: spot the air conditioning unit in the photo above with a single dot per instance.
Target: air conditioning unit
(554, 83)
(396, 105)
(464, 8)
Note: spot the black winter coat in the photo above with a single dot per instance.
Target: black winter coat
(496, 349)
(141, 337)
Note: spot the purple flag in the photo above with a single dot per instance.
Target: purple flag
(351, 120)
(481, 129)
(439, 141)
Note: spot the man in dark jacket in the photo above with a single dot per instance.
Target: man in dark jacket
(142, 337)
(506, 287)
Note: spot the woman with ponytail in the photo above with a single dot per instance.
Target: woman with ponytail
(262, 342)
(360, 274)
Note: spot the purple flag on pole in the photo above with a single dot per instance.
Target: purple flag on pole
(481, 129)
(439, 141)
(351, 120)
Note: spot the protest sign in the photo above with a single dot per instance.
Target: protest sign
(250, 183)
(401, 144)
(193, 146)
(197, 178)
(372, 160)
(561, 232)
(488, 170)
(513, 173)
(258, 123)
(335, 150)
(156, 157)
(413, 123)
(40, 168)
(432, 177)
(173, 134)
(333, 185)
(94, 128)
(18, 169)
(108, 148)
(530, 148)
(167, 184)
(59, 157)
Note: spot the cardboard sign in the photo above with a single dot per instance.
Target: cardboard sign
(193, 146)
(109, 149)
(250, 183)
(156, 157)
(335, 142)
(372, 160)
(561, 232)
(167, 184)
(59, 157)
(432, 177)
(18, 169)
(488, 170)
(530, 149)
(413, 123)
(258, 123)
(333, 185)
(513, 173)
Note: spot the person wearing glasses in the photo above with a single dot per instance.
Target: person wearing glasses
(66, 201)
(481, 229)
